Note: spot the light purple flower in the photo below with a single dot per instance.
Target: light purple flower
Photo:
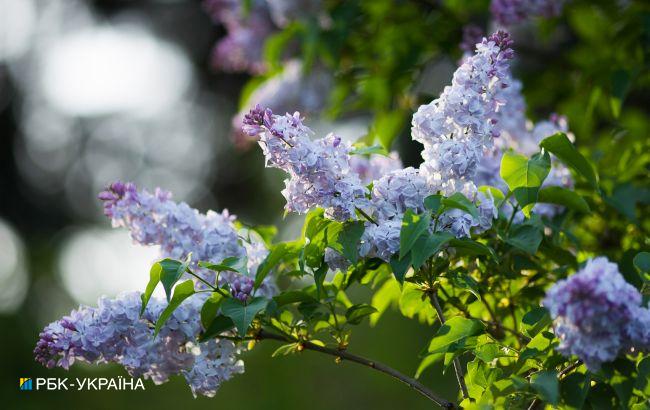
(154, 219)
(319, 173)
(458, 127)
(509, 12)
(114, 332)
(596, 314)
(375, 166)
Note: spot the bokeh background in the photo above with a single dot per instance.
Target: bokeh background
(97, 90)
(92, 91)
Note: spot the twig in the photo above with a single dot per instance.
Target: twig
(365, 215)
(344, 355)
(457, 367)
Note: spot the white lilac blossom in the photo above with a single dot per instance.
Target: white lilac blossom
(319, 169)
(114, 332)
(459, 126)
(509, 12)
(375, 166)
(292, 89)
(597, 314)
(154, 219)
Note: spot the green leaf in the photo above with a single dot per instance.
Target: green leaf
(472, 247)
(414, 303)
(154, 278)
(454, 330)
(413, 225)
(561, 147)
(171, 272)
(574, 389)
(210, 308)
(181, 292)
(243, 314)
(388, 294)
(525, 237)
(460, 201)
(535, 320)
(562, 196)
(292, 296)
(400, 267)
(363, 149)
(287, 349)
(345, 239)
(428, 361)
(642, 263)
(428, 245)
(496, 194)
(526, 197)
(463, 280)
(519, 171)
(218, 325)
(277, 253)
(319, 277)
(547, 386)
(356, 313)
(433, 203)
(231, 264)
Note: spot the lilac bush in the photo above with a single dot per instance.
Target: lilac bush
(473, 239)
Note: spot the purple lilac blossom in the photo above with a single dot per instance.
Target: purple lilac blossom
(336, 261)
(290, 90)
(381, 241)
(319, 170)
(509, 12)
(242, 47)
(375, 166)
(398, 191)
(597, 314)
(459, 126)
(154, 219)
(114, 332)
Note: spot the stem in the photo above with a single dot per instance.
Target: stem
(214, 288)
(343, 355)
(457, 367)
(365, 215)
(512, 217)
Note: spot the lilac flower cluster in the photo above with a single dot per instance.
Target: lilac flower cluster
(319, 170)
(242, 47)
(114, 332)
(375, 166)
(241, 288)
(597, 314)
(456, 130)
(459, 126)
(517, 133)
(291, 89)
(509, 12)
(154, 219)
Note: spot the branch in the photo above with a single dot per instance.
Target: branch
(343, 355)
(458, 369)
